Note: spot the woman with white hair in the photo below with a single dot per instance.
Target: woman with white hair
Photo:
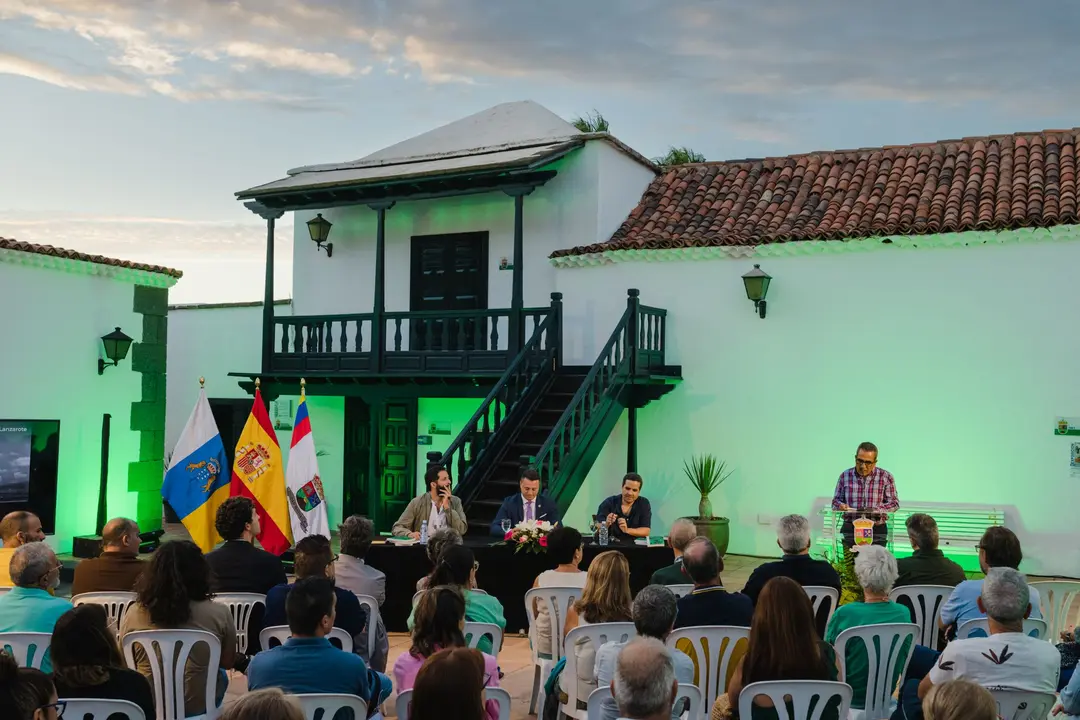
(875, 568)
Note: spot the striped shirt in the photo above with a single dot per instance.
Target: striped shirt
(876, 491)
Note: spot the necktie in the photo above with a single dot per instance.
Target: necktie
(528, 510)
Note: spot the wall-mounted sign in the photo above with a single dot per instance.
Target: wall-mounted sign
(1067, 426)
(423, 439)
(439, 428)
(505, 264)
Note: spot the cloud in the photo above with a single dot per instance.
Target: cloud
(13, 65)
(287, 58)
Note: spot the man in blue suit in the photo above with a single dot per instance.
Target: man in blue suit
(529, 504)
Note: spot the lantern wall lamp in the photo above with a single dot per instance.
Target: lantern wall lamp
(319, 229)
(116, 346)
(756, 283)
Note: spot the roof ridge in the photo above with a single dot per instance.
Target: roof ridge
(59, 252)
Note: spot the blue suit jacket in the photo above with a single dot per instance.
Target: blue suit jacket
(513, 508)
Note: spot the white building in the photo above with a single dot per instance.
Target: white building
(58, 304)
(918, 302)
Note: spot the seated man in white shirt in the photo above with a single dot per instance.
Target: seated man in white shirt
(359, 578)
(1007, 659)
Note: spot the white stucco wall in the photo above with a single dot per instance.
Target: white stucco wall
(956, 362)
(52, 323)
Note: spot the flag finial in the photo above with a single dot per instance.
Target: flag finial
(257, 383)
(303, 387)
(202, 382)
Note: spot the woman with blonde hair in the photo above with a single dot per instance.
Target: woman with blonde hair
(959, 700)
(263, 705)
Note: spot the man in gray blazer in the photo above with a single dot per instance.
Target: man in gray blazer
(437, 506)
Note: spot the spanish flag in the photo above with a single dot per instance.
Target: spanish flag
(258, 474)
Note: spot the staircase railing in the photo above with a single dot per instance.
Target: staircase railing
(537, 360)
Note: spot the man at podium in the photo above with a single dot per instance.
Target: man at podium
(865, 491)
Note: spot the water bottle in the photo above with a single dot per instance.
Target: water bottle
(603, 534)
(423, 533)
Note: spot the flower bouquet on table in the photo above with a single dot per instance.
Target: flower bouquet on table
(529, 536)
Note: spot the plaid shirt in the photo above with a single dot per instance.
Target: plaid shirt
(877, 491)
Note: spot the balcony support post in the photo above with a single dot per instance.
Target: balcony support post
(270, 215)
(516, 335)
(378, 307)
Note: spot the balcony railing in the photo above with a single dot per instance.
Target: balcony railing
(470, 342)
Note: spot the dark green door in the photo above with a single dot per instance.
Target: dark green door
(396, 459)
(356, 460)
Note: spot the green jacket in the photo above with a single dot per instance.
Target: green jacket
(419, 509)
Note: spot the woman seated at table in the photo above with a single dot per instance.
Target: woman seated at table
(565, 548)
(457, 568)
(438, 621)
(606, 598)
(439, 541)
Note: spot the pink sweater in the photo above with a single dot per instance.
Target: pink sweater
(407, 666)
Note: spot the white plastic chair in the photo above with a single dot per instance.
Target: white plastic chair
(803, 693)
(1056, 599)
(372, 606)
(330, 703)
(4, 590)
(556, 601)
(597, 634)
(594, 707)
(281, 633)
(713, 648)
(818, 594)
(28, 648)
(80, 708)
(115, 604)
(682, 589)
(885, 661)
(980, 628)
(474, 631)
(499, 695)
(167, 653)
(1024, 705)
(925, 602)
(241, 605)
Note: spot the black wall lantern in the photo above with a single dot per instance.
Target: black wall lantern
(319, 229)
(116, 345)
(757, 287)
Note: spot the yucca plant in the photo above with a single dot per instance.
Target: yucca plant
(706, 473)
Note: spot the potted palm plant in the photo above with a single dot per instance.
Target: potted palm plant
(706, 473)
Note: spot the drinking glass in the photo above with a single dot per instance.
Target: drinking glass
(505, 525)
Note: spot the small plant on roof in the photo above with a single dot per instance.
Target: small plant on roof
(592, 122)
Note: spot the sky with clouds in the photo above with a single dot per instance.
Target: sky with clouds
(127, 125)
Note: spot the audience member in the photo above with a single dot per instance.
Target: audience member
(87, 662)
(682, 532)
(564, 548)
(117, 567)
(784, 645)
(237, 565)
(174, 594)
(439, 541)
(959, 700)
(999, 547)
(268, 704)
(1069, 698)
(606, 597)
(16, 529)
(709, 603)
(644, 686)
(450, 686)
(457, 567)
(654, 617)
(927, 565)
(793, 537)
(875, 568)
(26, 693)
(353, 574)
(307, 662)
(438, 622)
(313, 558)
(29, 606)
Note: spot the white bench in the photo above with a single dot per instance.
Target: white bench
(960, 526)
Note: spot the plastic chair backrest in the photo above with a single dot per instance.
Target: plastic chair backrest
(1056, 599)
(597, 634)
(330, 703)
(818, 594)
(474, 631)
(595, 704)
(499, 695)
(167, 653)
(94, 709)
(28, 648)
(925, 605)
(372, 606)
(979, 627)
(713, 650)
(240, 605)
(809, 698)
(115, 604)
(556, 601)
(885, 660)
(1023, 705)
(281, 633)
(4, 590)
(682, 589)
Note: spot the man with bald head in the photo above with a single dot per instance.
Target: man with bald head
(709, 603)
(30, 606)
(16, 529)
(118, 566)
(644, 686)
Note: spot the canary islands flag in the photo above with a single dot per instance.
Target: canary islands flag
(197, 481)
(306, 498)
(257, 474)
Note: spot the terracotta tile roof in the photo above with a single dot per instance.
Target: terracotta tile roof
(986, 183)
(7, 244)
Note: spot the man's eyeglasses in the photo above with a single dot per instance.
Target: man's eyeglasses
(59, 705)
(865, 462)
